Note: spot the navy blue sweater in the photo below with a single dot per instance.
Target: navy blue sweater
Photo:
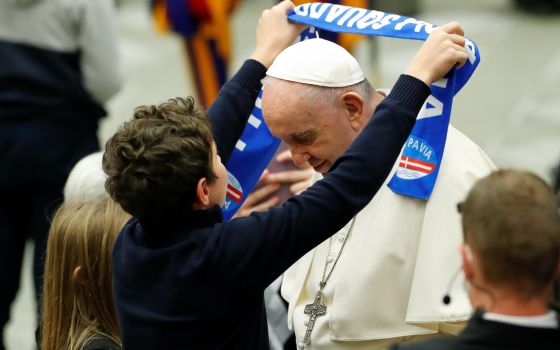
(203, 287)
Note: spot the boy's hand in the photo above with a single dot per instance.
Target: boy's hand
(275, 33)
(444, 49)
(260, 199)
(299, 178)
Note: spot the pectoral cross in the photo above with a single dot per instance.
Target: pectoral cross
(314, 310)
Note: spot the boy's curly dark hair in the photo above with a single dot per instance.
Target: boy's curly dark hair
(155, 161)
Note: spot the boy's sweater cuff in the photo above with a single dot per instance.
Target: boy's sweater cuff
(410, 92)
(250, 74)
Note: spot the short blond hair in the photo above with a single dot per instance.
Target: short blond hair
(511, 220)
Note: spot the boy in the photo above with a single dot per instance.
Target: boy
(185, 279)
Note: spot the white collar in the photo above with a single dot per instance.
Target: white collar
(384, 90)
(548, 320)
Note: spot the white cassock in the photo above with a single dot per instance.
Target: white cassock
(397, 264)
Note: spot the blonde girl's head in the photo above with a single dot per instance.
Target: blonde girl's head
(77, 302)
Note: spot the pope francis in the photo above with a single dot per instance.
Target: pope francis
(381, 279)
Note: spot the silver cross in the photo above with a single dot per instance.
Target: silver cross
(314, 310)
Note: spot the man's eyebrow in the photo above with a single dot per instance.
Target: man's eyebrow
(306, 137)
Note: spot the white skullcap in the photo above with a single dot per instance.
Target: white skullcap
(317, 62)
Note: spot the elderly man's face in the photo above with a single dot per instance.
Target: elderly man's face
(317, 134)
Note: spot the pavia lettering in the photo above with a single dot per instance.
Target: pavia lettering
(420, 146)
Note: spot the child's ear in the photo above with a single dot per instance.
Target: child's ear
(202, 194)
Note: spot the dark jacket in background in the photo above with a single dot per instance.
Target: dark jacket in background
(58, 66)
(481, 334)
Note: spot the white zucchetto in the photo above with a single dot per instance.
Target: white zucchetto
(317, 62)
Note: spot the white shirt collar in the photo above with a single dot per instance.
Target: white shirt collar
(548, 320)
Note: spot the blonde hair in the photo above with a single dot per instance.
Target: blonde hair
(78, 306)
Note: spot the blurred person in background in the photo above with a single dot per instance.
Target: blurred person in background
(78, 312)
(85, 226)
(204, 26)
(539, 6)
(58, 66)
(86, 181)
(78, 265)
(510, 257)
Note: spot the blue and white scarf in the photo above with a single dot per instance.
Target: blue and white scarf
(421, 158)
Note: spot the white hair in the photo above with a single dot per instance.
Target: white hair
(86, 181)
(313, 94)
